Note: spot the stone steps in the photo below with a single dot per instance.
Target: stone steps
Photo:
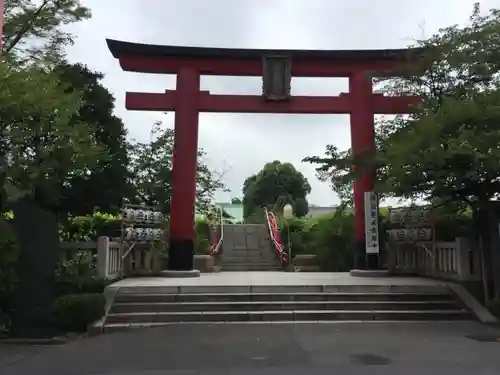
(249, 261)
(247, 248)
(277, 297)
(164, 307)
(301, 303)
(247, 258)
(262, 260)
(238, 261)
(250, 268)
(266, 263)
(288, 315)
(247, 252)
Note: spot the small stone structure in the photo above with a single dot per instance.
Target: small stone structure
(305, 263)
(204, 263)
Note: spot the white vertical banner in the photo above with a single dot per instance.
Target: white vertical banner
(371, 223)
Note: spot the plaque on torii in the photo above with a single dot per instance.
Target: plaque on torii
(276, 77)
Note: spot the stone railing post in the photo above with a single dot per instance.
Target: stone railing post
(103, 256)
(155, 260)
(435, 270)
(463, 259)
(391, 258)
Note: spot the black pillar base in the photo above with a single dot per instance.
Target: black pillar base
(181, 255)
(373, 261)
(363, 261)
(359, 256)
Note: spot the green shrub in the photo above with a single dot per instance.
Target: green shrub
(8, 281)
(450, 227)
(202, 240)
(300, 207)
(257, 216)
(82, 264)
(74, 312)
(81, 285)
(332, 240)
(90, 227)
(330, 237)
(299, 238)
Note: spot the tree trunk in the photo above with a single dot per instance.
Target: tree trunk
(494, 245)
(38, 238)
(481, 229)
(484, 271)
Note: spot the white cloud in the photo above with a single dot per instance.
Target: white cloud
(243, 143)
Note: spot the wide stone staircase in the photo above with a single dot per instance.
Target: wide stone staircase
(247, 247)
(133, 308)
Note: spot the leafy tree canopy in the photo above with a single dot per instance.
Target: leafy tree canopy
(300, 207)
(448, 149)
(34, 30)
(43, 140)
(150, 169)
(105, 184)
(41, 143)
(277, 181)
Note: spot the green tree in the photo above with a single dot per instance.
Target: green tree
(340, 176)
(276, 182)
(34, 30)
(105, 185)
(236, 200)
(40, 145)
(300, 207)
(151, 173)
(447, 150)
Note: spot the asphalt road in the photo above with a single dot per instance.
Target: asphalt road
(376, 348)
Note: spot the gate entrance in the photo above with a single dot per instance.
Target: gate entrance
(276, 67)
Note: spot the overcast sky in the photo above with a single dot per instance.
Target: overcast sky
(240, 144)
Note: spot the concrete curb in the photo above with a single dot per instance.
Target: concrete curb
(175, 274)
(477, 309)
(369, 273)
(41, 341)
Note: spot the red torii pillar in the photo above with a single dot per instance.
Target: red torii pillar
(182, 211)
(188, 101)
(362, 140)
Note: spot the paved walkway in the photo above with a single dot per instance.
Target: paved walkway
(372, 348)
(272, 278)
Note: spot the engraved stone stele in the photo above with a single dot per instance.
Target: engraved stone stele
(276, 77)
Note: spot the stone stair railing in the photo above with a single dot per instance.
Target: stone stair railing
(217, 232)
(104, 253)
(272, 224)
(455, 261)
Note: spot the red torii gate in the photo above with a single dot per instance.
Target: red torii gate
(276, 67)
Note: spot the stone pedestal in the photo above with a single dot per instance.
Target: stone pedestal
(204, 263)
(304, 263)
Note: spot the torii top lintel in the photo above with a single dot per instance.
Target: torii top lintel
(150, 58)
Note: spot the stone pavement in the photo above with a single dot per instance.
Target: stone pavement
(267, 278)
(347, 348)
(11, 354)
